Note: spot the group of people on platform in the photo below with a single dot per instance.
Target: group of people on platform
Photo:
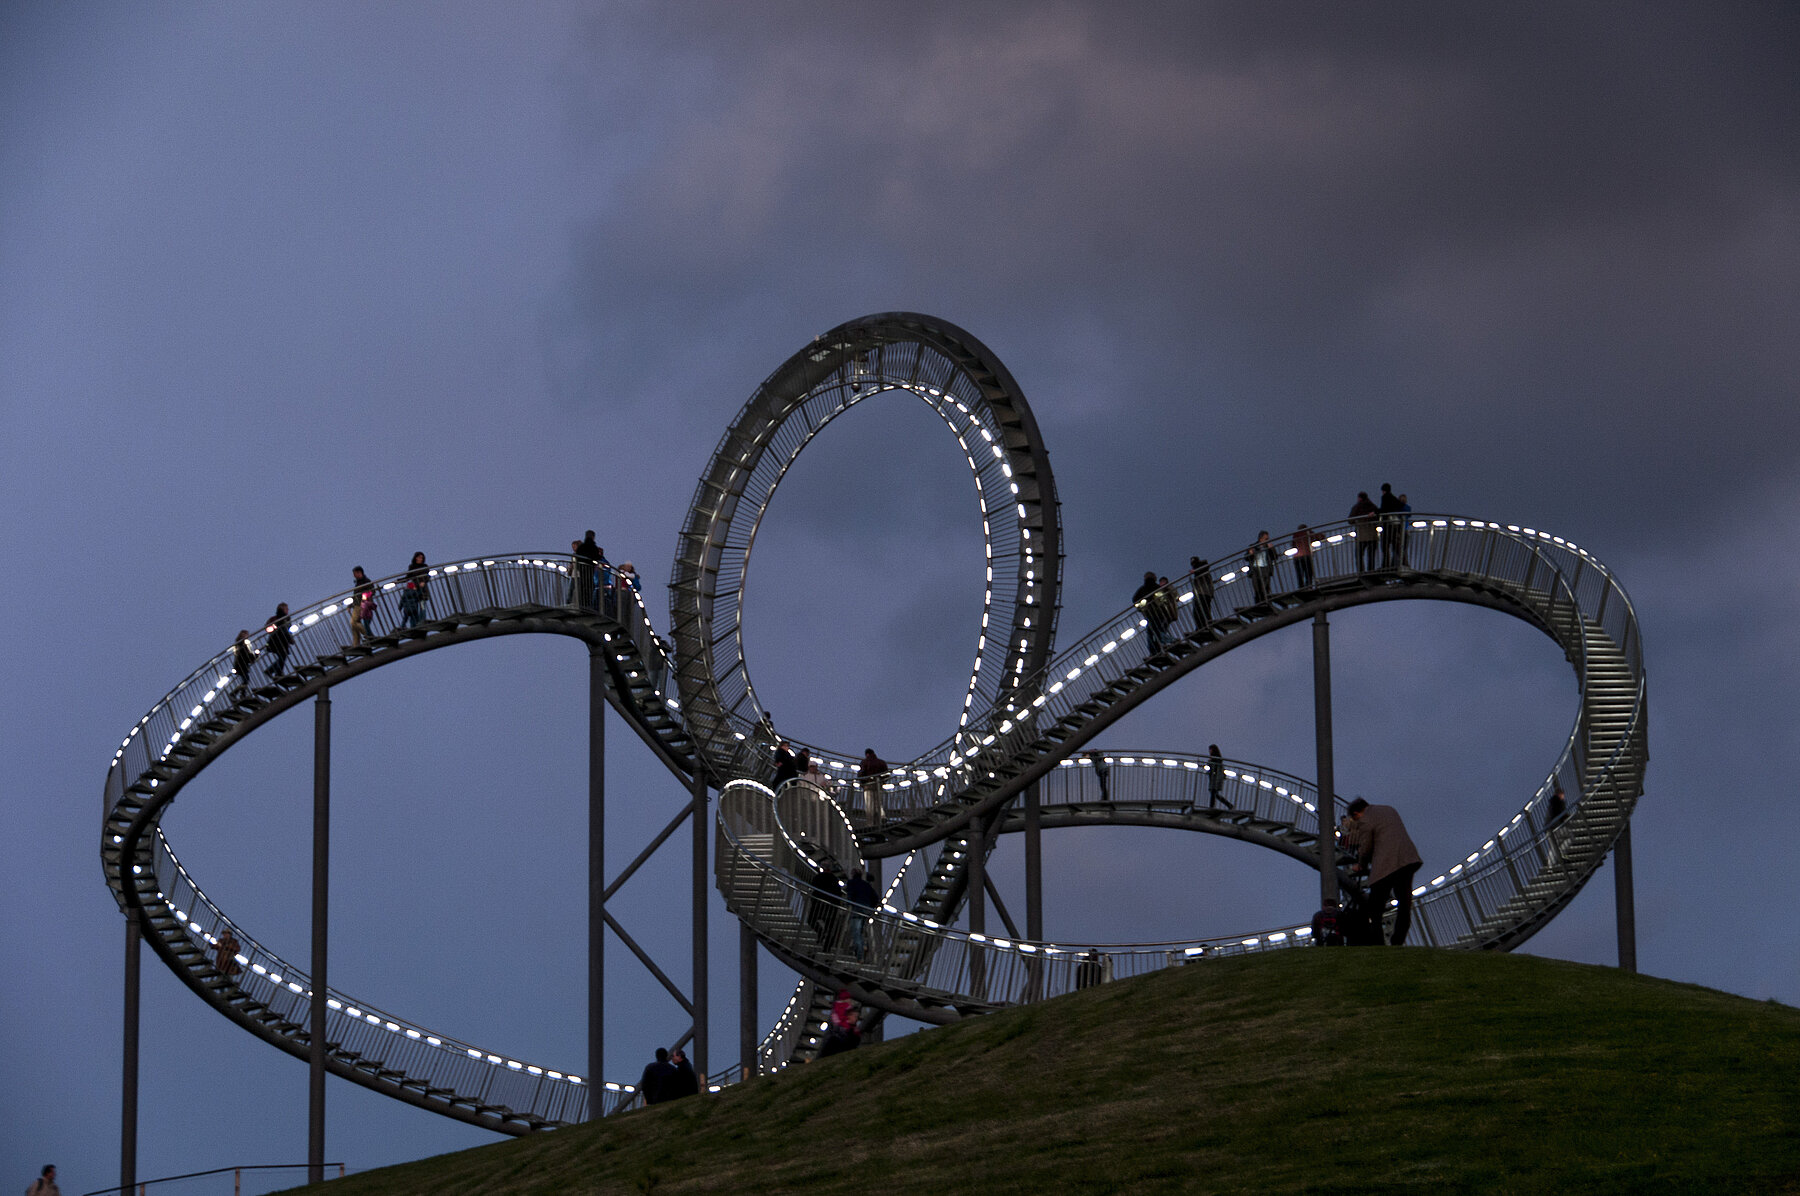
(1378, 530)
(594, 584)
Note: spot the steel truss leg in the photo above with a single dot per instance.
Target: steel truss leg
(321, 914)
(1034, 868)
(1622, 901)
(702, 824)
(1328, 887)
(596, 879)
(747, 1020)
(128, 1093)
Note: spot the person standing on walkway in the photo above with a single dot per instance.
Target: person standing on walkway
(1203, 592)
(1101, 768)
(1363, 530)
(787, 765)
(45, 1184)
(1163, 610)
(860, 894)
(243, 659)
(1141, 600)
(1262, 566)
(869, 773)
(1303, 550)
(1215, 777)
(416, 592)
(587, 567)
(225, 954)
(362, 607)
(1385, 853)
(280, 641)
(1390, 526)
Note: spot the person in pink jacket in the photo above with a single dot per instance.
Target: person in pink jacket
(1386, 855)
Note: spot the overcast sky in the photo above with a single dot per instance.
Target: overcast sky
(287, 289)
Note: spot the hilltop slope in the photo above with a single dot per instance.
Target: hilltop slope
(1298, 1071)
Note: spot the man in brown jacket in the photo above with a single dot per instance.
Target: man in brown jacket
(1385, 853)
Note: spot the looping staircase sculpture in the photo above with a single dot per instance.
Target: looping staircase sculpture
(1027, 718)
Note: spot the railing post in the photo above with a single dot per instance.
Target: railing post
(701, 821)
(977, 873)
(1327, 805)
(321, 914)
(1623, 901)
(596, 1005)
(128, 1088)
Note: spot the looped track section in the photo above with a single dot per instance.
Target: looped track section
(876, 357)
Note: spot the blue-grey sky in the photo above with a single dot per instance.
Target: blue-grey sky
(287, 289)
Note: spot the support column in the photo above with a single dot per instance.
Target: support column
(1328, 886)
(977, 877)
(596, 1011)
(977, 906)
(747, 1025)
(1034, 867)
(702, 824)
(128, 1088)
(1622, 901)
(321, 915)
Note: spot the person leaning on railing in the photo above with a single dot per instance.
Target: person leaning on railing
(869, 773)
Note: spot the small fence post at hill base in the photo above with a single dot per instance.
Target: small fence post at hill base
(1328, 888)
(321, 925)
(596, 1010)
(1622, 901)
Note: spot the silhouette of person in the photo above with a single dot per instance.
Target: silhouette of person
(684, 1082)
(1362, 519)
(416, 591)
(243, 658)
(1101, 769)
(1203, 592)
(1390, 526)
(362, 607)
(280, 641)
(870, 772)
(1385, 853)
(1141, 599)
(1303, 552)
(1262, 566)
(861, 894)
(657, 1083)
(1215, 777)
(225, 954)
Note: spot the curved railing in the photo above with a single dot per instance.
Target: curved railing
(214, 707)
(1495, 897)
(912, 966)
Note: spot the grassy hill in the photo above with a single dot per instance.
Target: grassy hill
(1349, 1071)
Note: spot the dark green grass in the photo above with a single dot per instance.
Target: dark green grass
(1349, 1071)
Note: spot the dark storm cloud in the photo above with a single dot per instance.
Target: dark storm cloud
(1527, 229)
